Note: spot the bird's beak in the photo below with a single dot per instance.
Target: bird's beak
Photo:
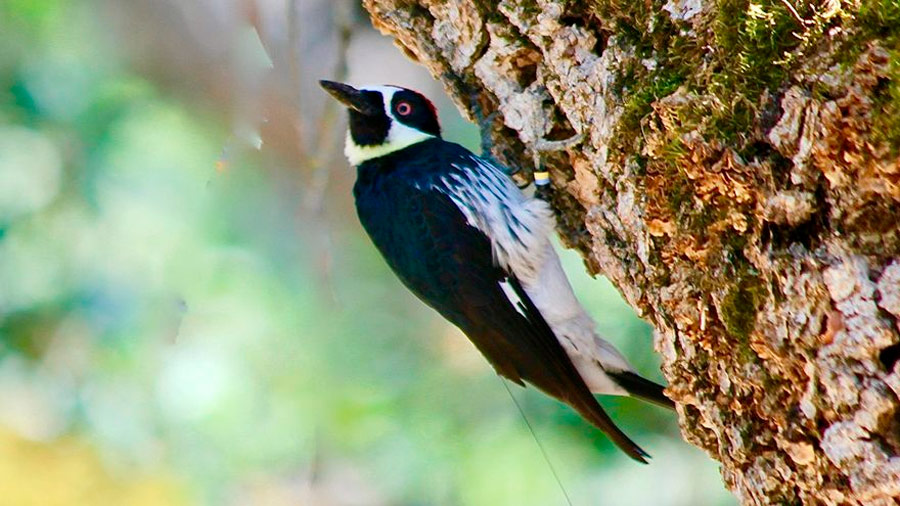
(354, 99)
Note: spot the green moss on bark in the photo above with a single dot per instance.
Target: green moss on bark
(880, 19)
(753, 43)
(886, 108)
(740, 307)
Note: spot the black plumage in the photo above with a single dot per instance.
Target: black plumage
(424, 237)
(461, 236)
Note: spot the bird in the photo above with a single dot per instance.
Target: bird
(467, 241)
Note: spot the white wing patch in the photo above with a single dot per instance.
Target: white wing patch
(513, 297)
(518, 227)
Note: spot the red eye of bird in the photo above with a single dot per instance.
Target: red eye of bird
(403, 108)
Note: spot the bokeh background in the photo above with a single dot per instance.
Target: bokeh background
(190, 313)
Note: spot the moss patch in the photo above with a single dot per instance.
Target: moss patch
(740, 306)
(886, 107)
(647, 30)
(654, 86)
(753, 41)
(875, 20)
(747, 48)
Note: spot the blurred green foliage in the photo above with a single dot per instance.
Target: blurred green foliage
(168, 334)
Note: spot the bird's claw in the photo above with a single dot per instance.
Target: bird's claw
(543, 145)
(541, 177)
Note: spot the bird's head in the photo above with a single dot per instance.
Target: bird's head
(383, 119)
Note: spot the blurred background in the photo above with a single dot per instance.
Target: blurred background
(190, 313)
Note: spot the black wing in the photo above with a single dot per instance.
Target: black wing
(449, 265)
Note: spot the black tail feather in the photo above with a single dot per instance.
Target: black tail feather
(642, 388)
(569, 386)
(595, 414)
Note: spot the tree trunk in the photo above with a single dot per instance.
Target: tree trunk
(738, 181)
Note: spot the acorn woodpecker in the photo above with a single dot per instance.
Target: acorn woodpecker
(464, 238)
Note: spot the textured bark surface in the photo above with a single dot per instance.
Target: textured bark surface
(738, 181)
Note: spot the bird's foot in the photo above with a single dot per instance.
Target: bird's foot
(545, 146)
(541, 176)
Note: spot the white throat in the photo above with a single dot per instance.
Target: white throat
(399, 135)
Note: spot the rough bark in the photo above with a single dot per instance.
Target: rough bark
(738, 181)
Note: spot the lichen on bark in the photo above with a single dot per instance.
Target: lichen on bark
(739, 183)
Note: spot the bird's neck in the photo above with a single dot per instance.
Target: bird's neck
(413, 161)
(397, 139)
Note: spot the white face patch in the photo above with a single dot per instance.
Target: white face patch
(399, 135)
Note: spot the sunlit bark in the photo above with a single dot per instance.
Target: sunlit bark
(738, 181)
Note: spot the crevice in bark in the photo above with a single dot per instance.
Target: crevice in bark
(561, 129)
(808, 233)
(889, 357)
